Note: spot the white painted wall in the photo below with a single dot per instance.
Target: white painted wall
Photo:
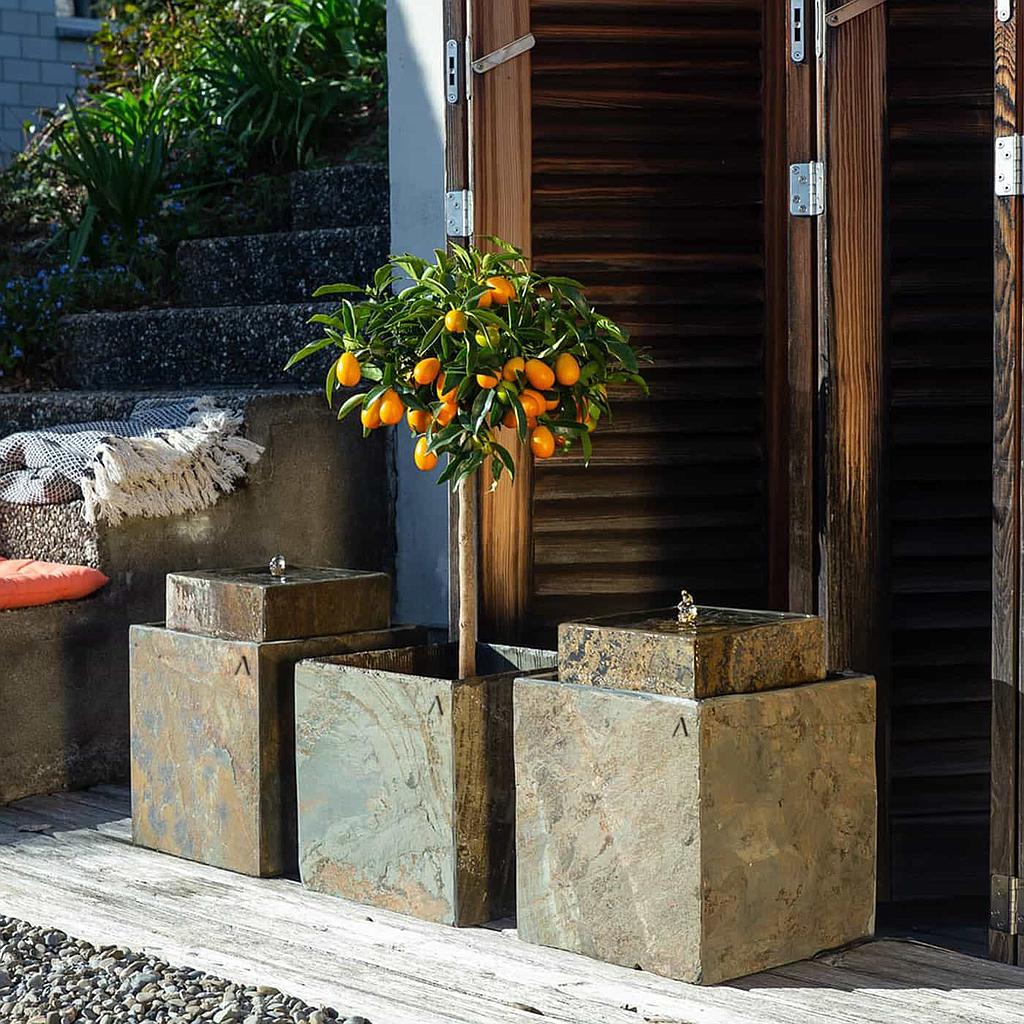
(416, 116)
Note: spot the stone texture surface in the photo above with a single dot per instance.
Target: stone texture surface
(65, 675)
(339, 197)
(213, 743)
(726, 651)
(251, 604)
(51, 533)
(406, 795)
(169, 347)
(279, 267)
(698, 839)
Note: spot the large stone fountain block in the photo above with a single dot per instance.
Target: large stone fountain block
(698, 839)
(213, 743)
(727, 650)
(405, 779)
(251, 604)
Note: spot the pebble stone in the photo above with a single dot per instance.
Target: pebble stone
(47, 977)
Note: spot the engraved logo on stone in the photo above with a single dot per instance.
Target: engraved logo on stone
(681, 725)
(243, 666)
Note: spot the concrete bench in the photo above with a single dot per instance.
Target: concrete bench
(319, 496)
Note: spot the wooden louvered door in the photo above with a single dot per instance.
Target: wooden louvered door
(940, 461)
(647, 184)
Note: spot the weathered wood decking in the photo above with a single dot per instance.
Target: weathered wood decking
(66, 861)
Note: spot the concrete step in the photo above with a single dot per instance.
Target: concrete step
(190, 348)
(286, 267)
(340, 197)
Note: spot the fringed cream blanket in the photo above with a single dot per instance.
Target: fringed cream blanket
(171, 456)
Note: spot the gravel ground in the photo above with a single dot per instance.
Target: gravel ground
(48, 978)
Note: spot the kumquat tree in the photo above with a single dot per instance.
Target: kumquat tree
(474, 342)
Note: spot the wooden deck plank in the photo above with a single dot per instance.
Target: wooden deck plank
(83, 876)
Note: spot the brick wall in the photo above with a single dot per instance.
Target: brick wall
(41, 45)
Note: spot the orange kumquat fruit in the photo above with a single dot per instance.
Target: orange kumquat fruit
(348, 371)
(424, 459)
(426, 370)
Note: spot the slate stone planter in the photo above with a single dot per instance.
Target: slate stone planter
(405, 779)
(721, 826)
(701, 840)
(212, 716)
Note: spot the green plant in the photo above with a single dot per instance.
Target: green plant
(475, 342)
(117, 151)
(333, 34)
(271, 102)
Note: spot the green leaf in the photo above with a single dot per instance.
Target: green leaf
(521, 418)
(336, 289)
(588, 447)
(506, 458)
(481, 415)
(348, 316)
(431, 336)
(383, 279)
(350, 403)
(307, 350)
(332, 380)
(623, 352)
(327, 320)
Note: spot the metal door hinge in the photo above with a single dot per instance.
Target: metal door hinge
(458, 213)
(1004, 9)
(807, 189)
(1008, 165)
(451, 70)
(797, 31)
(503, 54)
(1004, 905)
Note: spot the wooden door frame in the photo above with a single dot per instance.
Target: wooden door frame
(1006, 792)
(836, 390)
(502, 171)
(489, 152)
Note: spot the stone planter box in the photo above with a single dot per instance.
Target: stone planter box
(687, 804)
(212, 716)
(405, 779)
(701, 840)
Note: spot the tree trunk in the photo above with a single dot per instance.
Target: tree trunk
(468, 601)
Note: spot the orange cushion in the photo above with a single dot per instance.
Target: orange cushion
(25, 582)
